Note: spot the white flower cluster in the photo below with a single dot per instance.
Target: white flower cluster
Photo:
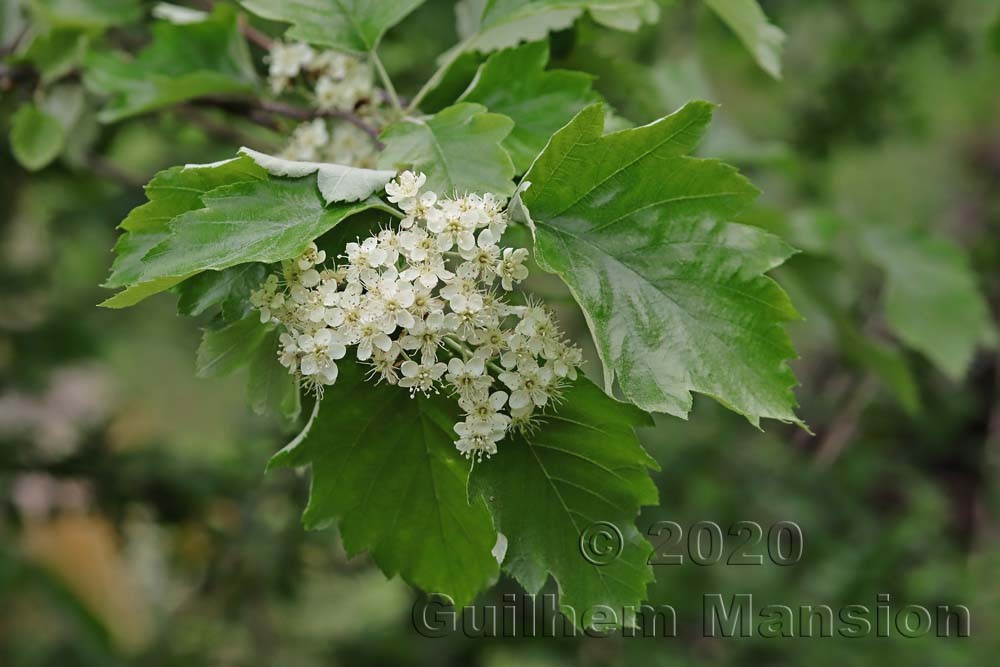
(344, 143)
(424, 307)
(335, 81)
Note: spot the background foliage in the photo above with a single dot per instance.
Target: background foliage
(137, 524)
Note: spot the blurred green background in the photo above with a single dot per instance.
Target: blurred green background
(138, 527)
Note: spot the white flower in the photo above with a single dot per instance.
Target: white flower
(363, 257)
(421, 377)
(388, 240)
(394, 297)
(405, 189)
(490, 341)
(518, 352)
(528, 385)
(416, 244)
(511, 268)
(331, 64)
(307, 139)
(350, 145)
(428, 272)
(564, 364)
(452, 230)
(425, 302)
(371, 336)
(476, 441)
(460, 287)
(319, 354)
(287, 60)
(468, 377)
(481, 259)
(310, 257)
(426, 335)
(384, 363)
(331, 94)
(485, 408)
(470, 313)
(422, 207)
(288, 352)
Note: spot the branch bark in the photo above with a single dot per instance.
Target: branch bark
(252, 108)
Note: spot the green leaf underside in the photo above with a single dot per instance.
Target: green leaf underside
(764, 40)
(271, 389)
(583, 465)
(227, 290)
(386, 467)
(459, 149)
(675, 297)
(348, 25)
(36, 138)
(336, 182)
(932, 301)
(514, 83)
(224, 350)
(183, 62)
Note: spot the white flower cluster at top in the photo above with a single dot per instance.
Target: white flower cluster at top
(335, 81)
(339, 81)
(315, 141)
(424, 307)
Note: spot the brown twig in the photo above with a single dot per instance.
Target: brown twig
(218, 129)
(254, 35)
(251, 33)
(845, 423)
(112, 172)
(16, 42)
(15, 75)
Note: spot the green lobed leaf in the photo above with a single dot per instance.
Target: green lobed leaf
(888, 363)
(256, 221)
(819, 285)
(454, 79)
(932, 301)
(36, 138)
(498, 24)
(385, 466)
(348, 25)
(170, 193)
(183, 62)
(584, 465)
(458, 148)
(674, 296)
(514, 82)
(627, 18)
(86, 14)
(993, 35)
(215, 217)
(763, 39)
(55, 53)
